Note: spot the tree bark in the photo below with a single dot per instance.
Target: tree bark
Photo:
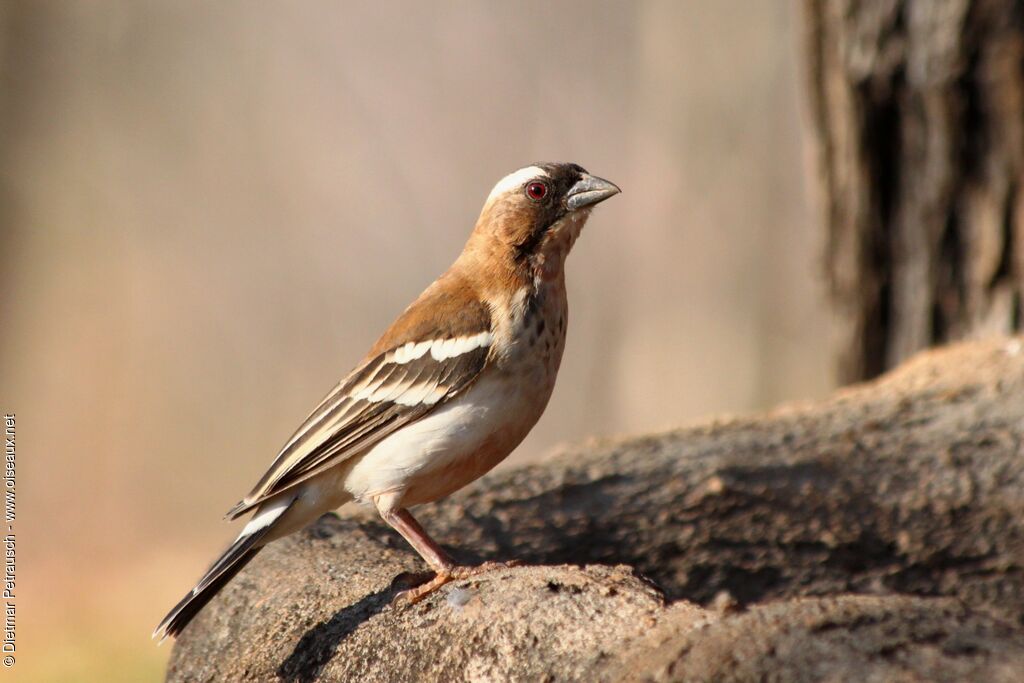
(918, 120)
(878, 535)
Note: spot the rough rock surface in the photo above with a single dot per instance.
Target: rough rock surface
(876, 536)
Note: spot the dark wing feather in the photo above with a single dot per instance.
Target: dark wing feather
(376, 399)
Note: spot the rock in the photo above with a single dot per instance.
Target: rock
(876, 535)
(848, 637)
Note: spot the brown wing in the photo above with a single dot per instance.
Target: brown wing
(434, 351)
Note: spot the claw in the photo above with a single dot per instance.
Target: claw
(456, 573)
(407, 580)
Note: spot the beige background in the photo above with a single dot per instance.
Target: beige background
(210, 210)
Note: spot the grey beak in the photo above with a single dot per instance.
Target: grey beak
(589, 191)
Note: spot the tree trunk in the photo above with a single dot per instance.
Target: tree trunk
(918, 118)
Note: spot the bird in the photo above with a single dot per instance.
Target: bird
(446, 393)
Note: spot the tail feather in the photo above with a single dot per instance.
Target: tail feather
(238, 554)
(238, 509)
(190, 605)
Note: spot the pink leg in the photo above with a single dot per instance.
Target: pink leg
(444, 566)
(404, 523)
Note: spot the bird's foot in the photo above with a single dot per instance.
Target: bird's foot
(455, 573)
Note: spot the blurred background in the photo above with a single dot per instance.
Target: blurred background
(210, 210)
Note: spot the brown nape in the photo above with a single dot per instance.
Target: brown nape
(505, 222)
(488, 263)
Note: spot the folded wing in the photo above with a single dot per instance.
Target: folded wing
(393, 389)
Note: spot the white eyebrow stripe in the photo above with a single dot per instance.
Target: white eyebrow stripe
(514, 180)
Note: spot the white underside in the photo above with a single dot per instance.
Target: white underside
(440, 441)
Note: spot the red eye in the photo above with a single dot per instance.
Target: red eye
(536, 191)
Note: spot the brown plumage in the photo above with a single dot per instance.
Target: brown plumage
(447, 392)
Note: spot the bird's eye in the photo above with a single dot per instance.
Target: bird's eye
(536, 191)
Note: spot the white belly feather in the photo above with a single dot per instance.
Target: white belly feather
(446, 449)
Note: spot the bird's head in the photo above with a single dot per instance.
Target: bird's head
(534, 215)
